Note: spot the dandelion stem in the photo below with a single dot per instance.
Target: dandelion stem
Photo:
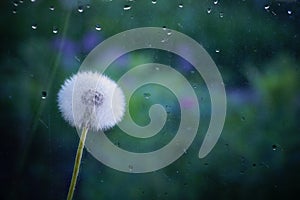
(77, 163)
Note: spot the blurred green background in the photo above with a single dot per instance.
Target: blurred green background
(254, 43)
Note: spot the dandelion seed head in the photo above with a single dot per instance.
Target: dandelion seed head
(92, 100)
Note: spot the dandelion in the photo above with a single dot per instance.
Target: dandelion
(89, 101)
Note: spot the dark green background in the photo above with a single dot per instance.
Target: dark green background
(258, 154)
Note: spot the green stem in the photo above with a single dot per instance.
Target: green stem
(77, 163)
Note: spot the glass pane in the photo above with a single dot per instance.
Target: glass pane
(181, 65)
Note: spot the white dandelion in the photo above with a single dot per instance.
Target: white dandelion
(89, 101)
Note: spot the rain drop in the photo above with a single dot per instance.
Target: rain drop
(208, 10)
(88, 6)
(34, 26)
(147, 95)
(32, 1)
(267, 7)
(217, 50)
(164, 28)
(154, 1)
(14, 11)
(130, 168)
(169, 33)
(51, 8)
(289, 12)
(216, 2)
(80, 9)
(15, 3)
(180, 5)
(274, 147)
(127, 7)
(55, 30)
(97, 27)
(44, 94)
(221, 14)
(21, 1)
(184, 151)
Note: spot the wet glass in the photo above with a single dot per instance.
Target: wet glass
(255, 47)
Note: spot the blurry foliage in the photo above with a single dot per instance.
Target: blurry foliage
(258, 154)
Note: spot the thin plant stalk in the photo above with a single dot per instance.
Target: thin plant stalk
(77, 163)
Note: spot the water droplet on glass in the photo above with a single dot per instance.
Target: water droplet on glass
(154, 1)
(164, 28)
(14, 11)
(34, 26)
(130, 168)
(127, 7)
(216, 2)
(147, 95)
(217, 50)
(97, 27)
(208, 10)
(80, 9)
(289, 12)
(274, 147)
(221, 14)
(88, 6)
(118, 144)
(157, 68)
(180, 5)
(55, 30)
(51, 8)
(44, 94)
(169, 33)
(21, 1)
(32, 0)
(267, 7)
(15, 3)
(77, 59)
(180, 25)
